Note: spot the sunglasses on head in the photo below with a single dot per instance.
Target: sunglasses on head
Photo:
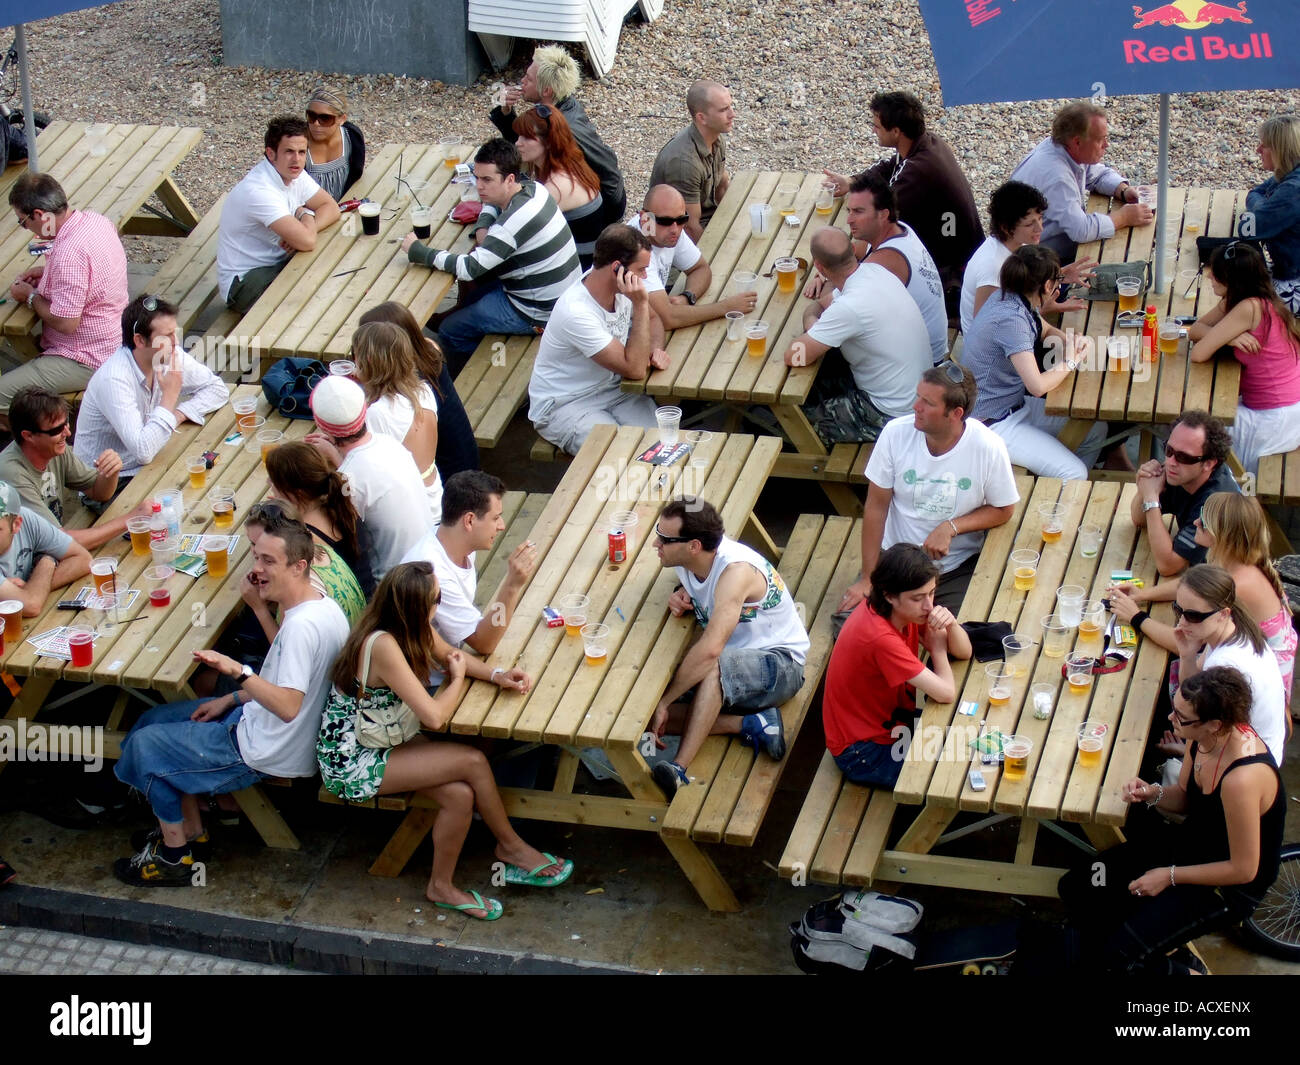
(953, 372)
(543, 112)
(1194, 616)
(149, 305)
(1182, 456)
(672, 539)
(322, 118)
(267, 514)
(672, 220)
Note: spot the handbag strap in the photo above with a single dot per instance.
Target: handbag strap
(365, 661)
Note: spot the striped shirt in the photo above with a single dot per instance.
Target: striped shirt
(85, 277)
(529, 248)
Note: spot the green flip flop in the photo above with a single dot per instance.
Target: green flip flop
(516, 875)
(491, 907)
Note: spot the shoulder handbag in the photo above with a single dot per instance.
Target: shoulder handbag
(288, 382)
(381, 726)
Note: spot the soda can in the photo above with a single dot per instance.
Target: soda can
(617, 546)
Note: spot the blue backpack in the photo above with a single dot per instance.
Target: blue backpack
(288, 383)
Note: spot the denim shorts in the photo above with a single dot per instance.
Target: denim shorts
(166, 756)
(754, 679)
(870, 763)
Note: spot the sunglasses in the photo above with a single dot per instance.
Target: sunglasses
(267, 514)
(149, 305)
(322, 119)
(1194, 616)
(56, 431)
(953, 372)
(672, 539)
(1182, 456)
(543, 112)
(672, 220)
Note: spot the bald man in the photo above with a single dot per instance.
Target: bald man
(866, 313)
(663, 219)
(695, 161)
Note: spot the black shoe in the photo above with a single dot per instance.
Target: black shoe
(765, 732)
(669, 776)
(200, 846)
(151, 869)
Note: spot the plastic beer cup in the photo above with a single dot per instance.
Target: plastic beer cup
(197, 467)
(216, 555)
(81, 645)
(756, 339)
(102, 571)
(1069, 604)
(1090, 541)
(787, 274)
(670, 420)
(1056, 637)
(11, 611)
(1078, 673)
(1170, 333)
(1024, 568)
(1092, 737)
(1015, 752)
(1053, 515)
(999, 683)
(139, 530)
(573, 608)
(369, 213)
(1017, 649)
(1128, 289)
(594, 642)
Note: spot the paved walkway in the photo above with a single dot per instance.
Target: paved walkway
(27, 950)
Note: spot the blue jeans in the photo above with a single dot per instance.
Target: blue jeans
(462, 330)
(166, 756)
(755, 679)
(870, 763)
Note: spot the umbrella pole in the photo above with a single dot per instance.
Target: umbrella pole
(1162, 197)
(25, 82)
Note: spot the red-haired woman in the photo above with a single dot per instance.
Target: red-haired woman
(553, 157)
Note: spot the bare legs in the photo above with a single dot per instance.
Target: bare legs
(702, 719)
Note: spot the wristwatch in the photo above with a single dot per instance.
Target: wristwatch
(245, 671)
(690, 296)
(1153, 504)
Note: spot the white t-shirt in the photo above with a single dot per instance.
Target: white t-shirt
(879, 329)
(930, 489)
(924, 286)
(683, 256)
(386, 489)
(311, 636)
(245, 240)
(984, 269)
(457, 616)
(579, 328)
(393, 416)
(1268, 708)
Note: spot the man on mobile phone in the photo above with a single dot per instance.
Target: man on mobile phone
(601, 333)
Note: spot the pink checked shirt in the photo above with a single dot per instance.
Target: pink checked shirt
(85, 274)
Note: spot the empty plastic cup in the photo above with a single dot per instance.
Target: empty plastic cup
(164, 551)
(745, 281)
(1018, 652)
(1056, 637)
(670, 420)
(1090, 541)
(1041, 698)
(1069, 604)
(735, 325)
(760, 219)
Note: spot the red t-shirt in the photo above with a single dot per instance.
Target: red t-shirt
(866, 682)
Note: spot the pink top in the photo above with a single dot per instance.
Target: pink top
(85, 276)
(1270, 378)
(1281, 636)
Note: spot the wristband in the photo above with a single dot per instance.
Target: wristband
(31, 300)
(1139, 618)
(955, 531)
(493, 675)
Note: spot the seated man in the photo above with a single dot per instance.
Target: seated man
(135, 400)
(937, 479)
(36, 556)
(78, 294)
(934, 196)
(526, 258)
(383, 481)
(275, 210)
(552, 79)
(471, 520)
(265, 727)
(39, 464)
(695, 161)
(663, 220)
(869, 705)
(865, 312)
(1065, 167)
(749, 659)
(1195, 467)
(336, 151)
(601, 333)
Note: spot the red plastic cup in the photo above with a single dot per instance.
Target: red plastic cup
(81, 642)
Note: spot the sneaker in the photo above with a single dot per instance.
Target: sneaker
(200, 846)
(764, 732)
(151, 869)
(669, 776)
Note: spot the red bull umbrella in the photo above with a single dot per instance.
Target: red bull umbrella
(1001, 50)
(16, 14)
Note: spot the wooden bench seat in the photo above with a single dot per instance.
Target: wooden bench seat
(189, 276)
(1278, 480)
(493, 385)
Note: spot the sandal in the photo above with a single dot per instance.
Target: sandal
(492, 909)
(516, 875)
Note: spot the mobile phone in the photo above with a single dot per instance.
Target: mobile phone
(71, 604)
(977, 780)
(1185, 319)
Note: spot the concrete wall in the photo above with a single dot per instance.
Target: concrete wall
(418, 38)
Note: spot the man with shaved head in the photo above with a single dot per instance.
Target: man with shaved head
(695, 161)
(866, 313)
(663, 219)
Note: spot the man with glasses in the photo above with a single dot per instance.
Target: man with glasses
(750, 657)
(663, 219)
(1195, 467)
(78, 294)
(135, 401)
(695, 161)
(275, 210)
(36, 556)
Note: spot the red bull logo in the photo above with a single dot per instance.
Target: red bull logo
(1195, 15)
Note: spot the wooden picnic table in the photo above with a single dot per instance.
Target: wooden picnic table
(137, 164)
(1145, 393)
(706, 366)
(312, 309)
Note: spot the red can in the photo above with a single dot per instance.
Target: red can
(617, 546)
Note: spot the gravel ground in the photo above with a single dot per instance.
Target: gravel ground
(138, 61)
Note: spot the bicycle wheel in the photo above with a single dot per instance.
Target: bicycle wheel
(1274, 927)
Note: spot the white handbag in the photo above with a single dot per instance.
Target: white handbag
(380, 726)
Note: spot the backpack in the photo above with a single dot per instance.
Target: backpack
(287, 385)
(859, 931)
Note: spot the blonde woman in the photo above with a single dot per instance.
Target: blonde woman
(401, 404)
(336, 151)
(1273, 207)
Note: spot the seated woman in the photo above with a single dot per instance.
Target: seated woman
(1015, 219)
(1213, 869)
(336, 151)
(391, 651)
(302, 477)
(329, 574)
(869, 705)
(457, 448)
(401, 405)
(553, 157)
(1265, 338)
(1007, 350)
(1273, 207)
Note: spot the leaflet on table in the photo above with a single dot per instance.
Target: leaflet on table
(190, 559)
(89, 600)
(665, 454)
(54, 644)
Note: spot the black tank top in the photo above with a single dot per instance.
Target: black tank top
(1204, 834)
